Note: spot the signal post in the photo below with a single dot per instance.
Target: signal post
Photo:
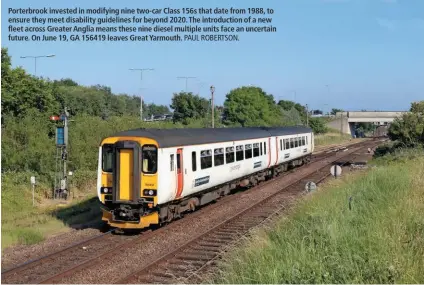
(61, 179)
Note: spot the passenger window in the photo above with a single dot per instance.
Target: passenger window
(172, 162)
(193, 161)
(255, 149)
(303, 141)
(306, 140)
(178, 163)
(218, 157)
(150, 158)
(261, 149)
(248, 151)
(264, 147)
(281, 144)
(205, 159)
(239, 152)
(291, 143)
(229, 154)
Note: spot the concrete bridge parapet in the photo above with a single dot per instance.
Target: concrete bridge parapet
(345, 121)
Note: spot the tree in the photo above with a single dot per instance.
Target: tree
(251, 106)
(318, 125)
(335, 110)
(409, 128)
(288, 105)
(153, 109)
(187, 106)
(417, 107)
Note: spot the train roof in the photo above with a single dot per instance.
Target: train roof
(182, 137)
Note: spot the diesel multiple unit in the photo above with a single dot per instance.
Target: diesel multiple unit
(151, 176)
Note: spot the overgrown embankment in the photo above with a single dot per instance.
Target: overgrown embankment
(379, 240)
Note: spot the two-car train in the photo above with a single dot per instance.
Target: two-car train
(150, 176)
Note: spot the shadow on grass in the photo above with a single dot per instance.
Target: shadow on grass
(82, 215)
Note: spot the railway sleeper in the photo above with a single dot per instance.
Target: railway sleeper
(176, 267)
(206, 248)
(192, 256)
(163, 274)
(195, 263)
(222, 238)
(200, 252)
(209, 244)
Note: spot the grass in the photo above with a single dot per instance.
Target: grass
(331, 138)
(24, 224)
(380, 240)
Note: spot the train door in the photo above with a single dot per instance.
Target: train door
(180, 174)
(126, 173)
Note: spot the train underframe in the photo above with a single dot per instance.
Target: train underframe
(140, 215)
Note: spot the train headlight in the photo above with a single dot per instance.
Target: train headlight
(105, 190)
(149, 192)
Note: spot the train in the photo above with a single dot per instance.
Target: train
(149, 177)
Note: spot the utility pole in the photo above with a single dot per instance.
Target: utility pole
(186, 79)
(213, 113)
(141, 81)
(35, 59)
(307, 115)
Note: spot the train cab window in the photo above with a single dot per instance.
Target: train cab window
(239, 153)
(248, 151)
(206, 159)
(229, 154)
(149, 156)
(193, 161)
(261, 149)
(255, 150)
(172, 162)
(281, 144)
(107, 158)
(218, 156)
(264, 147)
(291, 143)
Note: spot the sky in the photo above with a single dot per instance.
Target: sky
(348, 54)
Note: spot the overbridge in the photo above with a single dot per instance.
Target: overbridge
(345, 121)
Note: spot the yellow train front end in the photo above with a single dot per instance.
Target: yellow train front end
(127, 182)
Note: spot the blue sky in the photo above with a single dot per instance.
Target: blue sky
(369, 52)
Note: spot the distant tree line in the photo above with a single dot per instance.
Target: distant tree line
(28, 101)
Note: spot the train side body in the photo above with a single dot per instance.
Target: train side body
(183, 173)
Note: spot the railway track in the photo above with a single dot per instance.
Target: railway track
(94, 251)
(34, 269)
(183, 264)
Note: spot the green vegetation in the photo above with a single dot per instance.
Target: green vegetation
(28, 147)
(331, 138)
(409, 129)
(380, 240)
